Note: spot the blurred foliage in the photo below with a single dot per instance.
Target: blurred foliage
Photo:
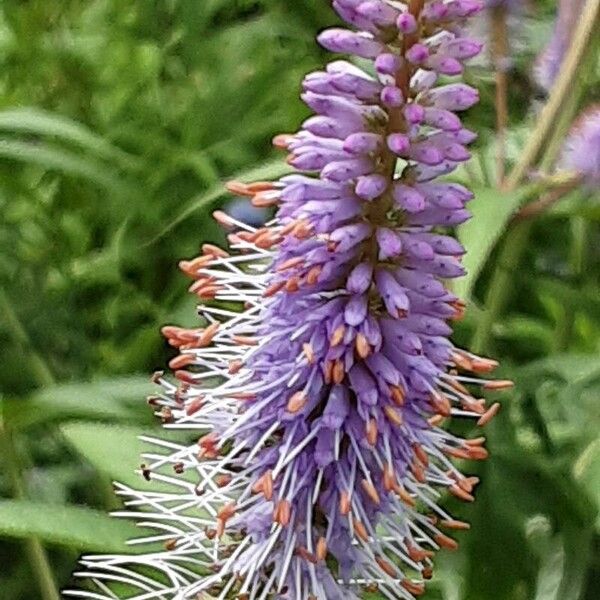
(119, 119)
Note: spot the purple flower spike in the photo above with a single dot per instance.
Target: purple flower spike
(317, 386)
(581, 151)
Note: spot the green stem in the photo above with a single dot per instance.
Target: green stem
(36, 553)
(563, 87)
(502, 283)
(38, 559)
(40, 370)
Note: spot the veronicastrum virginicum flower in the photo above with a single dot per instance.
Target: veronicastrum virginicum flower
(320, 383)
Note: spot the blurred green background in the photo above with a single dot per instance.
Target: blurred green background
(119, 120)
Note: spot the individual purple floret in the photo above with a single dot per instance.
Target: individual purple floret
(317, 388)
(550, 60)
(581, 150)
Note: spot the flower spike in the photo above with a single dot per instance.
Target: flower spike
(317, 387)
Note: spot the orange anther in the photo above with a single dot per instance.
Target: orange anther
(372, 432)
(478, 453)
(283, 140)
(416, 589)
(223, 480)
(389, 478)
(274, 288)
(460, 493)
(436, 420)
(421, 454)
(297, 402)
(183, 360)
(371, 492)
(489, 414)
(338, 372)
(244, 340)
(194, 406)
(398, 395)
(406, 497)
(452, 524)
(500, 384)
(360, 530)
(418, 472)
(386, 566)
(393, 415)
(309, 353)
(363, 349)
(238, 188)
(290, 263)
(212, 250)
(344, 503)
(321, 548)
(338, 336)
(446, 542)
(282, 513)
(302, 552)
(235, 366)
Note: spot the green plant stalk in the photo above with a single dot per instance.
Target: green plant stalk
(569, 73)
(36, 553)
(577, 259)
(38, 558)
(501, 285)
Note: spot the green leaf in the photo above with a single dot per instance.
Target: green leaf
(73, 526)
(587, 472)
(109, 399)
(114, 450)
(492, 210)
(56, 158)
(39, 122)
(270, 170)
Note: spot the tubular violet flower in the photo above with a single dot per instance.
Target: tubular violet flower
(581, 150)
(550, 60)
(317, 388)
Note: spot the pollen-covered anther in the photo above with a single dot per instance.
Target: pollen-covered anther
(297, 402)
(372, 432)
(363, 348)
(302, 552)
(264, 484)
(191, 267)
(405, 496)
(386, 566)
(283, 140)
(309, 353)
(421, 454)
(338, 372)
(282, 513)
(460, 493)
(212, 250)
(445, 541)
(345, 503)
(414, 588)
(441, 404)
(499, 384)
(321, 551)
(360, 530)
(370, 491)
(194, 406)
(337, 336)
(489, 414)
(225, 513)
(223, 480)
(393, 415)
(244, 340)
(182, 360)
(398, 395)
(208, 446)
(235, 366)
(453, 524)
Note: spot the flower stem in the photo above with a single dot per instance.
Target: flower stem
(500, 288)
(38, 559)
(569, 73)
(36, 553)
(500, 52)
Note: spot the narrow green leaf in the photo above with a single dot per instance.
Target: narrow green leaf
(39, 122)
(110, 399)
(587, 472)
(491, 211)
(55, 158)
(114, 450)
(73, 526)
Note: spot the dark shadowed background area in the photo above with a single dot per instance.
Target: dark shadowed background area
(119, 121)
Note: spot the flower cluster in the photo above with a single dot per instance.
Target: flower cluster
(320, 382)
(581, 150)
